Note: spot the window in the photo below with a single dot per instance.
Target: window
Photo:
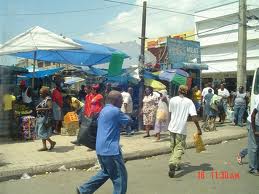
(256, 85)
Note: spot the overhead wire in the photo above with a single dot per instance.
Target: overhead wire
(118, 24)
(168, 10)
(61, 12)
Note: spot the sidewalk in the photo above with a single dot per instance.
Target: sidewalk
(17, 158)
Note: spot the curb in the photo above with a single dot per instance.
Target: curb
(87, 163)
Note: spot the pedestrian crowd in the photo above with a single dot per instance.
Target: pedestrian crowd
(113, 110)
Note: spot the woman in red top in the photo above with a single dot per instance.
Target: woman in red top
(97, 102)
(93, 101)
(57, 103)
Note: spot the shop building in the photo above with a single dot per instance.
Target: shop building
(217, 32)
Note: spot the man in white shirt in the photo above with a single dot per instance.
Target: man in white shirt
(127, 107)
(205, 91)
(253, 138)
(224, 93)
(180, 108)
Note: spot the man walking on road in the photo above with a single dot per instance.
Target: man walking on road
(108, 149)
(253, 139)
(180, 108)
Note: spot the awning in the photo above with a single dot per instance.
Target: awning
(73, 80)
(154, 84)
(229, 66)
(43, 73)
(198, 66)
(176, 76)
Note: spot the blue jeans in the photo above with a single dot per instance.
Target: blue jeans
(111, 167)
(239, 111)
(243, 152)
(253, 148)
(128, 127)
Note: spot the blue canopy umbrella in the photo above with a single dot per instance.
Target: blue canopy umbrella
(89, 54)
(40, 73)
(176, 76)
(40, 44)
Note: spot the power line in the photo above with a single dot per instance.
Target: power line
(215, 6)
(168, 10)
(61, 12)
(103, 27)
(118, 24)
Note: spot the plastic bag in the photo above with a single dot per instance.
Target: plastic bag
(88, 132)
(162, 111)
(198, 143)
(230, 115)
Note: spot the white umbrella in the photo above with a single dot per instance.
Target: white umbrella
(35, 39)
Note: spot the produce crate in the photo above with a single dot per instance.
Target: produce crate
(70, 129)
(71, 117)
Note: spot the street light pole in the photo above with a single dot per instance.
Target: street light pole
(141, 63)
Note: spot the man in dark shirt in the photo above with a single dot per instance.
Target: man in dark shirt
(82, 94)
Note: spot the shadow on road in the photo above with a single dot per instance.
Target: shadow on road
(187, 168)
(2, 162)
(63, 149)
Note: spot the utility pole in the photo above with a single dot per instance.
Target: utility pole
(142, 63)
(242, 37)
(33, 71)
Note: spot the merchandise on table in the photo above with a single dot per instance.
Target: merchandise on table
(21, 109)
(27, 126)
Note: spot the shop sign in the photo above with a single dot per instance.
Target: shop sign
(183, 51)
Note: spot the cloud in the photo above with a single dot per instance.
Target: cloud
(127, 25)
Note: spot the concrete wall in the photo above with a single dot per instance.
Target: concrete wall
(219, 47)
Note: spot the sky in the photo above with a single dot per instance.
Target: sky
(98, 20)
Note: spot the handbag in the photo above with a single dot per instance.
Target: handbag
(47, 122)
(88, 132)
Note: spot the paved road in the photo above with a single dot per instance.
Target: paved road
(149, 176)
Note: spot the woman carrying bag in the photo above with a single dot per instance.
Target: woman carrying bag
(162, 115)
(44, 119)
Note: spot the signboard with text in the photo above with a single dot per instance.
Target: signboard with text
(183, 51)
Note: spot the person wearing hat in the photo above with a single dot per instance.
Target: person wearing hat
(180, 107)
(44, 119)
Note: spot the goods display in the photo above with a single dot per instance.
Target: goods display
(21, 109)
(27, 127)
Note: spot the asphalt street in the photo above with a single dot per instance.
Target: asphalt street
(212, 171)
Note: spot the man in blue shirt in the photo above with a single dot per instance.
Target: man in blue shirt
(108, 149)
